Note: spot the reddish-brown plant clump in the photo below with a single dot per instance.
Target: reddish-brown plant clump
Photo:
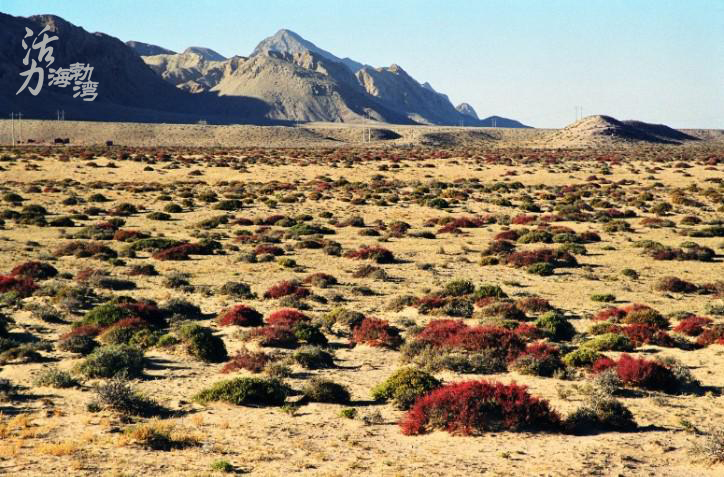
(286, 288)
(646, 334)
(22, 286)
(275, 337)
(693, 325)
(378, 254)
(240, 315)
(286, 317)
(475, 407)
(639, 372)
(253, 361)
(376, 332)
(34, 270)
(457, 335)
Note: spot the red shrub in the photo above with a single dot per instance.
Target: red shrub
(611, 313)
(271, 220)
(646, 334)
(253, 361)
(475, 407)
(541, 350)
(528, 331)
(533, 304)
(286, 317)
(507, 235)
(178, 252)
(124, 235)
(146, 310)
(240, 315)
(378, 254)
(376, 332)
(500, 340)
(602, 364)
(644, 373)
(437, 332)
(87, 274)
(430, 302)
(675, 285)
(693, 325)
(285, 288)
(22, 286)
(499, 247)
(320, 279)
(34, 270)
(542, 255)
(131, 322)
(523, 219)
(275, 336)
(485, 301)
(713, 335)
(83, 330)
(265, 249)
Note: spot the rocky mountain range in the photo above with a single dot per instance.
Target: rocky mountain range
(285, 79)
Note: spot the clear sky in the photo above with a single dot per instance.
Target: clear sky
(532, 60)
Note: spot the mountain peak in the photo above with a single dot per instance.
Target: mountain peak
(205, 53)
(147, 49)
(286, 41)
(467, 110)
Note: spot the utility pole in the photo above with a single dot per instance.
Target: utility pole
(12, 126)
(20, 127)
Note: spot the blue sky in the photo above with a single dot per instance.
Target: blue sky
(532, 60)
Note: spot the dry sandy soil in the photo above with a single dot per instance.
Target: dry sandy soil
(46, 430)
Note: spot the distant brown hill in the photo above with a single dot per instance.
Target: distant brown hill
(602, 130)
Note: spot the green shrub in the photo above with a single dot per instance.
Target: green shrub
(311, 334)
(112, 360)
(608, 342)
(105, 315)
(163, 216)
(601, 414)
(118, 395)
(321, 390)
(405, 386)
(556, 325)
(603, 297)
(245, 391)
(77, 344)
(489, 290)
(202, 343)
(458, 288)
(312, 357)
(581, 357)
(55, 378)
(348, 413)
(543, 269)
(222, 465)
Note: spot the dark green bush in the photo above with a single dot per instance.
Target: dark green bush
(112, 360)
(245, 391)
(202, 343)
(405, 386)
(321, 390)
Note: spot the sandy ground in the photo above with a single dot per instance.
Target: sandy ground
(316, 441)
